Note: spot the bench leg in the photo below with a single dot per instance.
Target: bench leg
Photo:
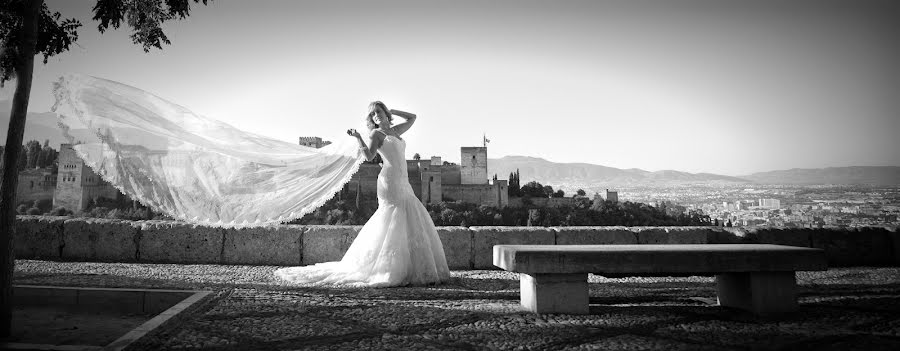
(763, 293)
(554, 293)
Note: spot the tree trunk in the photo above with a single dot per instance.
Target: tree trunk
(24, 70)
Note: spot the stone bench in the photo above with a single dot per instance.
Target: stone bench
(754, 277)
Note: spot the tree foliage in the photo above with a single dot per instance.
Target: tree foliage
(515, 188)
(458, 213)
(55, 35)
(145, 17)
(533, 189)
(33, 155)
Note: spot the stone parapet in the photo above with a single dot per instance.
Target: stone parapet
(103, 240)
(281, 245)
(484, 239)
(109, 240)
(458, 246)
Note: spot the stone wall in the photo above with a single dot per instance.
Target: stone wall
(450, 174)
(36, 184)
(482, 194)
(106, 240)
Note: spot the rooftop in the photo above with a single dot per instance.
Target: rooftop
(250, 309)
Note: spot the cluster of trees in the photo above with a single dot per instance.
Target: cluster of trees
(583, 213)
(33, 155)
(531, 189)
(338, 211)
(119, 208)
(515, 187)
(535, 189)
(101, 207)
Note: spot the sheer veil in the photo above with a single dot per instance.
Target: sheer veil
(194, 168)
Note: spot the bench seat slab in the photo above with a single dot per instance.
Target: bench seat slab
(554, 293)
(763, 293)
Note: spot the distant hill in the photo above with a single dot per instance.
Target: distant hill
(38, 126)
(43, 126)
(585, 174)
(872, 175)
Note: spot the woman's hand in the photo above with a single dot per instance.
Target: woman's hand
(353, 133)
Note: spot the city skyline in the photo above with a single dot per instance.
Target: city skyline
(729, 88)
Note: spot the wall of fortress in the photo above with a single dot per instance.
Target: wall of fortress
(431, 184)
(450, 174)
(154, 241)
(482, 194)
(38, 184)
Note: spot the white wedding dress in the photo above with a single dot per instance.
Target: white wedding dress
(397, 246)
(203, 171)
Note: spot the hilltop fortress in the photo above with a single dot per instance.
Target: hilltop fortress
(435, 181)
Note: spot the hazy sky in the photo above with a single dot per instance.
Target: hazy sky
(728, 87)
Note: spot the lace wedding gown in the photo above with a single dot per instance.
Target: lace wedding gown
(397, 246)
(203, 171)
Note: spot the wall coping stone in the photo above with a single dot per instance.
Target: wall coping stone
(117, 240)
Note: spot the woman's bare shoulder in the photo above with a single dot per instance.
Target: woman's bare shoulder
(377, 134)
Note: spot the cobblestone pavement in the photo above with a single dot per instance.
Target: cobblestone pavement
(843, 308)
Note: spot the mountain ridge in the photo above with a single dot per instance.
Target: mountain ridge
(544, 171)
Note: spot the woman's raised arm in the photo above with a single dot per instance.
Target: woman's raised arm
(401, 128)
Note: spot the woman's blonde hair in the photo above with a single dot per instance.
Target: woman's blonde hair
(372, 106)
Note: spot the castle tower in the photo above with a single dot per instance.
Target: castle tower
(76, 183)
(431, 181)
(612, 196)
(473, 165)
(501, 190)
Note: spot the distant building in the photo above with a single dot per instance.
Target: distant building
(612, 196)
(473, 165)
(76, 183)
(773, 204)
(608, 196)
(435, 181)
(36, 184)
(314, 142)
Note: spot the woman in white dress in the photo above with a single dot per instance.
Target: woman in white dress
(204, 171)
(399, 244)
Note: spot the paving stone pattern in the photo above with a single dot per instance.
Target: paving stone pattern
(844, 308)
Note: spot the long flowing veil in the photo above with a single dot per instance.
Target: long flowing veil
(194, 168)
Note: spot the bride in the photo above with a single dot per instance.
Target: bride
(399, 244)
(204, 171)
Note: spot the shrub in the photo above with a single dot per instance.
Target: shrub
(60, 211)
(45, 205)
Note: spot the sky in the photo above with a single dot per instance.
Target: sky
(718, 86)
